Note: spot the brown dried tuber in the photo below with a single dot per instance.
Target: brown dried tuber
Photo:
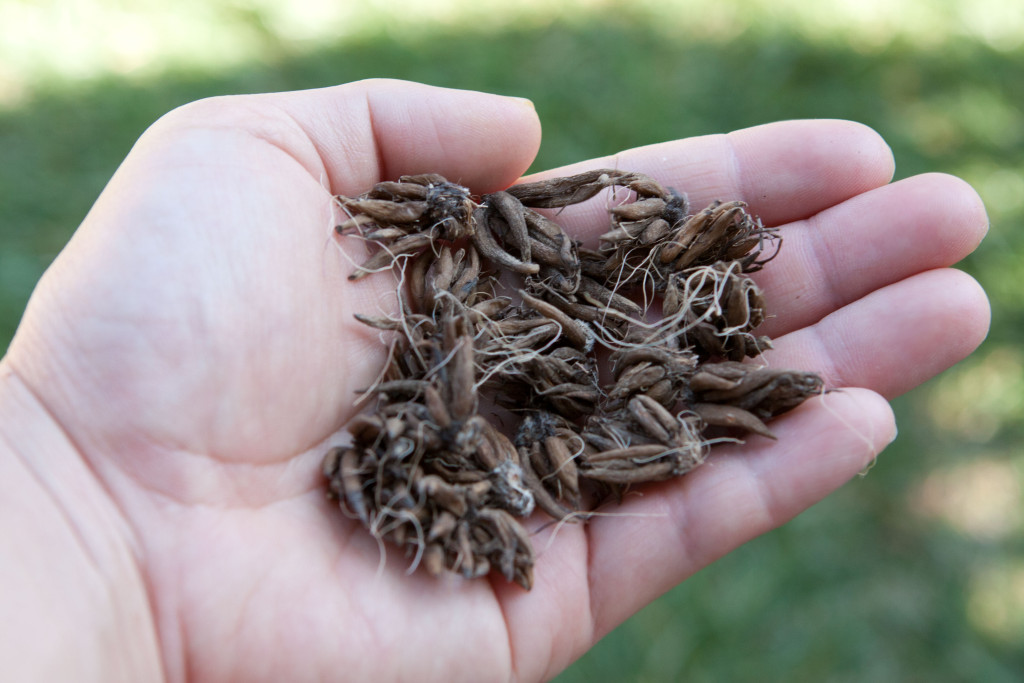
(428, 468)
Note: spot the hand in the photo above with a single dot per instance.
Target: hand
(182, 367)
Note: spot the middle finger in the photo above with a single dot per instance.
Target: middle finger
(868, 242)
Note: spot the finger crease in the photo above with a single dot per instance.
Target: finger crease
(826, 263)
(382, 170)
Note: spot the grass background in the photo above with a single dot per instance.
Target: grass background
(914, 572)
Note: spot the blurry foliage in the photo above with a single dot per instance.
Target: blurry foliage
(872, 584)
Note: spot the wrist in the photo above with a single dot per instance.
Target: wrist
(73, 597)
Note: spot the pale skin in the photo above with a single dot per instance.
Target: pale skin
(183, 366)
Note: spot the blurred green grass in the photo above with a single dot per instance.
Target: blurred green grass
(913, 572)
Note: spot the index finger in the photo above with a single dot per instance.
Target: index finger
(785, 171)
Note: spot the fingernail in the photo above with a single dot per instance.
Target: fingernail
(524, 101)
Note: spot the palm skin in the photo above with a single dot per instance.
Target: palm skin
(196, 344)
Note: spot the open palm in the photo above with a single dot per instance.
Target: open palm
(196, 345)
